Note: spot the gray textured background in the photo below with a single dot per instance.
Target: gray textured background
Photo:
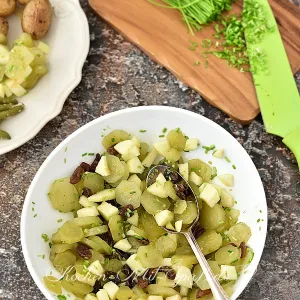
(117, 75)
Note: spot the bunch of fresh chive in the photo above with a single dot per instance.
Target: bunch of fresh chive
(197, 12)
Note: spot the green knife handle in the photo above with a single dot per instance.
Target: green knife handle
(293, 142)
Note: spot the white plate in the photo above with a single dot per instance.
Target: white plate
(69, 41)
(248, 190)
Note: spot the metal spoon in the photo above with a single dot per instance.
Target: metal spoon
(215, 286)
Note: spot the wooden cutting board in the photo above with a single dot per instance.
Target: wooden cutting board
(161, 33)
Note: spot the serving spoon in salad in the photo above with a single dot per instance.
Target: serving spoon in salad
(184, 188)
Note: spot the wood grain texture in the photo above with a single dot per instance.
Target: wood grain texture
(160, 33)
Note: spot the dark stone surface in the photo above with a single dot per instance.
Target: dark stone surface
(117, 75)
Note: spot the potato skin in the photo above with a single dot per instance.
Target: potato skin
(7, 7)
(36, 18)
(3, 26)
(23, 2)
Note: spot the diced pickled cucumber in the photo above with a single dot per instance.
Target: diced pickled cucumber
(113, 265)
(232, 215)
(64, 260)
(56, 238)
(244, 262)
(149, 256)
(95, 230)
(227, 255)
(212, 218)
(200, 278)
(97, 244)
(166, 244)
(148, 223)
(124, 293)
(128, 192)
(59, 248)
(52, 284)
(189, 215)
(70, 233)
(124, 177)
(156, 289)
(173, 155)
(143, 151)
(87, 222)
(39, 57)
(239, 233)
(152, 204)
(24, 39)
(200, 168)
(116, 227)
(97, 256)
(115, 137)
(117, 169)
(63, 195)
(79, 289)
(209, 241)
(176, 140)
(93, 181)
(184, 259)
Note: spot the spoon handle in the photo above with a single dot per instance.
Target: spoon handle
(215, 286)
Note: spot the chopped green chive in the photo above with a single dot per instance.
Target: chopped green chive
(142, 130)
(45, 237)
(59, 220)
(66, 149)
(258, 220)
(84, 154)
(33, 203)
(65, 160)
(91, 154)
(32, 209)
(113, 140)
(50, 245)
(161, 136)
(227, 159)
(35, 215)
(230, 251)
(164, 130)
(197, 63)
(234, 167)
(61, 297)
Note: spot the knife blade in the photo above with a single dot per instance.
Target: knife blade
(276, 89)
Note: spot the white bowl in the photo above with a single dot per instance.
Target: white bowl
(248, 189)
(69, 40)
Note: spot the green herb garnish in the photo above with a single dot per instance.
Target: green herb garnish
(45, 237)
(142, 130)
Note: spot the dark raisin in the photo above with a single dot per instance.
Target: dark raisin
(85, 166)
(112, 151)
(112, 276)
(202, 293)
(151, 274)
(233, 244)
(84, 251)
(243, 249)
(95, 163)
(145, 242)
(142, 283)
(171, 274)
(130, 279)
(98, 285)
(119, 254)
(107, 237)
(127, 211)
(76, 176)
(169, 174)
(197, 230)
(126, 270)
(87, 192)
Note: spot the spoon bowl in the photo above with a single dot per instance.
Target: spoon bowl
(184, 192)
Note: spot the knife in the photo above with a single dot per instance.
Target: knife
(276, 89)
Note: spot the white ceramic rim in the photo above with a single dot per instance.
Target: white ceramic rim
(64, 143)
(64, 94)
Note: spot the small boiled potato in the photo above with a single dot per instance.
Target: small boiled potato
(239, 233)
(36, 18)
(7, 7)
(3, 26)
(227, 255)
(209, 241)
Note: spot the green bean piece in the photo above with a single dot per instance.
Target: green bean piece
(4, 107)
(11, 112)
(8, 100)
(4, 135)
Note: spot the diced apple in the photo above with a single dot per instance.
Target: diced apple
(87, 212)
(134, 220)
(123, 245)
(194, 177)
(228, 272)
(133, 152)
(155, 298)
(163, 217)
(180, 206)
(44, 47)
(96, 268)
(136, 141)
(2, 92)
(111, 288)
(105, 195)
(219, 153)
(170, 190)
(158, 190)
(124, 147)
(184, 170)
(191, 144)
(167, 262)
(102, 295)
(134, 178)
(150, 158)
(84, 201)
(184, 277)
(8, 92)
(210, 195)
(178, 225)
(170, 226)
(15, 88)
(135, 166)
(102, 167)
(135, 265)
(85, 279)
(163, 280)
(90, 297)
(184, 291)
(107, 210)
(227, 179)
(162, 147)
(175, 297)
